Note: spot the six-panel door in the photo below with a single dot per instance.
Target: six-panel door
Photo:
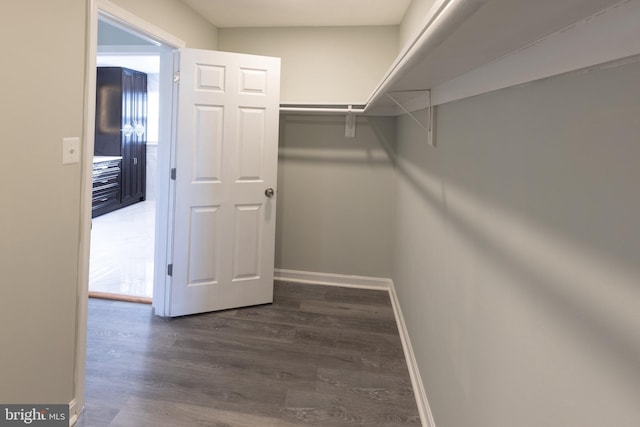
(226, 157)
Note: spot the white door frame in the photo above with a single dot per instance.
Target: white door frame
(126, 20)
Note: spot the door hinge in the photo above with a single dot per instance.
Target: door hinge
(176, 77)
(173, 174)
(170, 270)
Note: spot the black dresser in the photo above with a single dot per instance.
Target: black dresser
(106, 185)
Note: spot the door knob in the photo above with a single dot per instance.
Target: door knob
(269, 192)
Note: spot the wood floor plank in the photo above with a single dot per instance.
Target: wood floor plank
(375, 388)
(319, 355)
(329, 410)
(372, 298)
(145, 412)
(320, 320)
(349, 309)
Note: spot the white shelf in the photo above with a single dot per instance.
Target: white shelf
(468, 47)
(462, 36)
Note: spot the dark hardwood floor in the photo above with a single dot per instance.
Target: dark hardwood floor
(319, 355)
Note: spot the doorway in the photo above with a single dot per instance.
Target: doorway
(123, 240)
(128, 246)
(165, 44)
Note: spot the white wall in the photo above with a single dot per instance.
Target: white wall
(335, 196)
(517, 253)
(321, 64)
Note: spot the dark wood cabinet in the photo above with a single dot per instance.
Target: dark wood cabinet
(121, 127)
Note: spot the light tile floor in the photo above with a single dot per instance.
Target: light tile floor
(122, 246)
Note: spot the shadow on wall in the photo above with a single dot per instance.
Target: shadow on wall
(541, 182)
(321, 139)
(334, 195)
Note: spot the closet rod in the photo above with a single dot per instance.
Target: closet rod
(323, 108)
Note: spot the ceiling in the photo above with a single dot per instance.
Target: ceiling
(299, 13)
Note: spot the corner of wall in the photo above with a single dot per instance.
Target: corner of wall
(412, 20)
(376, 283)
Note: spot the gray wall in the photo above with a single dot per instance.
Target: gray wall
(517, 253)
(43, 101)
(108, 35)
(321, 65)
(412, 21)
(334, 193)
(177, 19)
(335, 196)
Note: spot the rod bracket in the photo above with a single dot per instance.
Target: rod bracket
(350, 124)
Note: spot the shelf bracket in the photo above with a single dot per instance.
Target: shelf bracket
(350, 124)
(428, 127)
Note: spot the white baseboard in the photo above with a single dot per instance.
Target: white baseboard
(73, 412)
(306, 277)
(312, 278)
(414, 372)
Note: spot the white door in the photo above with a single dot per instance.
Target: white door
(225, 180)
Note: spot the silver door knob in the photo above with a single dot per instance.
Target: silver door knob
(269, 192)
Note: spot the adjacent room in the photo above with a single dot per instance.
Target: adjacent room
(125, 166)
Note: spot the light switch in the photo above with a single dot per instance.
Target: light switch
(70, 150)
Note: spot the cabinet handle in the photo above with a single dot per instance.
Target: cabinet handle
(135, 161)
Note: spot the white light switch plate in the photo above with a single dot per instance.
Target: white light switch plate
(70, 150)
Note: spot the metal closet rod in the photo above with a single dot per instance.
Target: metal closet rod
(324, 108)
(444, 18)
